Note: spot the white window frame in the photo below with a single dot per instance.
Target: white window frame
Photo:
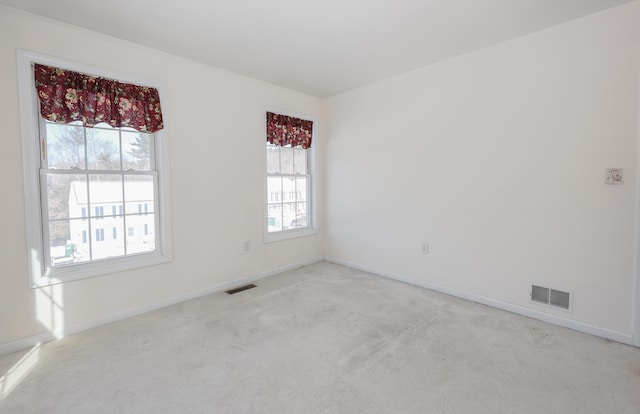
(312, 204)
(40, 273)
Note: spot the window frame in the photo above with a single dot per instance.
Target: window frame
(40, 273)
(312, 205)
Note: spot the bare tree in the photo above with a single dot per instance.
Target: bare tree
(70, 148)
(141, 152)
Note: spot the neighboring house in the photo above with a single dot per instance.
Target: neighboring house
(283, 210)
(107, 222)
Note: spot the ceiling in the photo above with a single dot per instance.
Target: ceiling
(319, 47)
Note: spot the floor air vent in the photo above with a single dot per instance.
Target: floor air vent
(551, 297)
(240, 289)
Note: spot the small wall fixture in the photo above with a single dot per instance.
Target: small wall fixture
(614, 176)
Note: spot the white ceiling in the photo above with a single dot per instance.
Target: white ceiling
(320, 47)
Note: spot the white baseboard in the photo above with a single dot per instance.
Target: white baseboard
(27, 342)
(517, 309)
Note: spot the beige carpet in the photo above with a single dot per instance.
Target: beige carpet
(328, 339)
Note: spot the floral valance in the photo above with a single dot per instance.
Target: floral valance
(67, 96)
(286, 130)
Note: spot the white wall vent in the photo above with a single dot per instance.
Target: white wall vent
(551, 297)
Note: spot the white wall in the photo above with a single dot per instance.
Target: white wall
(216, 127)
(497, 158)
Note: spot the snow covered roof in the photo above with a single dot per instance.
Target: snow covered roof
(110, 192)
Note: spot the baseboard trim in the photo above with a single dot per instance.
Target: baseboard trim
(26, 342)
(509, 307)
(30, 341)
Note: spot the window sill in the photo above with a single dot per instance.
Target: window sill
(288, 235)
(70, 273)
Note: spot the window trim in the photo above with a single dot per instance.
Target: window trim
(312, 218)
(29, 119)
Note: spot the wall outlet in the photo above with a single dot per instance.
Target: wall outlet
(246, 245)
(614, 176)
(425, 248)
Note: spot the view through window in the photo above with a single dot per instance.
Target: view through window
(288, 185)
(100, 198)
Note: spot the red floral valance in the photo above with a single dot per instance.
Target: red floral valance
(286, 130)
(67, 96)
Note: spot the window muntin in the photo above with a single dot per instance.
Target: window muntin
(90, 170)
(41, 270)
(288, 189)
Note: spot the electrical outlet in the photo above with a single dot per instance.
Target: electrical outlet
(246, 246)
(425, 248)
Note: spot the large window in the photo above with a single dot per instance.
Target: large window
(289, 196)
(81, 179)
(90, 169)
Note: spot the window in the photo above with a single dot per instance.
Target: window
(289, 197)
(74, 169)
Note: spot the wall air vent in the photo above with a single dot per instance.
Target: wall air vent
(551, 297)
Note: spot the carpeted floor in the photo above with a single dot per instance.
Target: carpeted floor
(327, 339)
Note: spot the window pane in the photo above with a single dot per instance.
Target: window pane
(286, 160)
(103, 244)
(63, 248)
(58, 238)
(301, 189)
(301, 217)
(66, 194)
(288, 189)
(142, 238)
(104, 192)
(273, 159)
(138, 194)
(301, 211)
(274, 190)
(136, 151)
(300, 161)
(103, 149)
(274, 222)
(65, 146)
(288, 215)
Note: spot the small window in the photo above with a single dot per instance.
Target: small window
(289, 195)
(288, 186)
